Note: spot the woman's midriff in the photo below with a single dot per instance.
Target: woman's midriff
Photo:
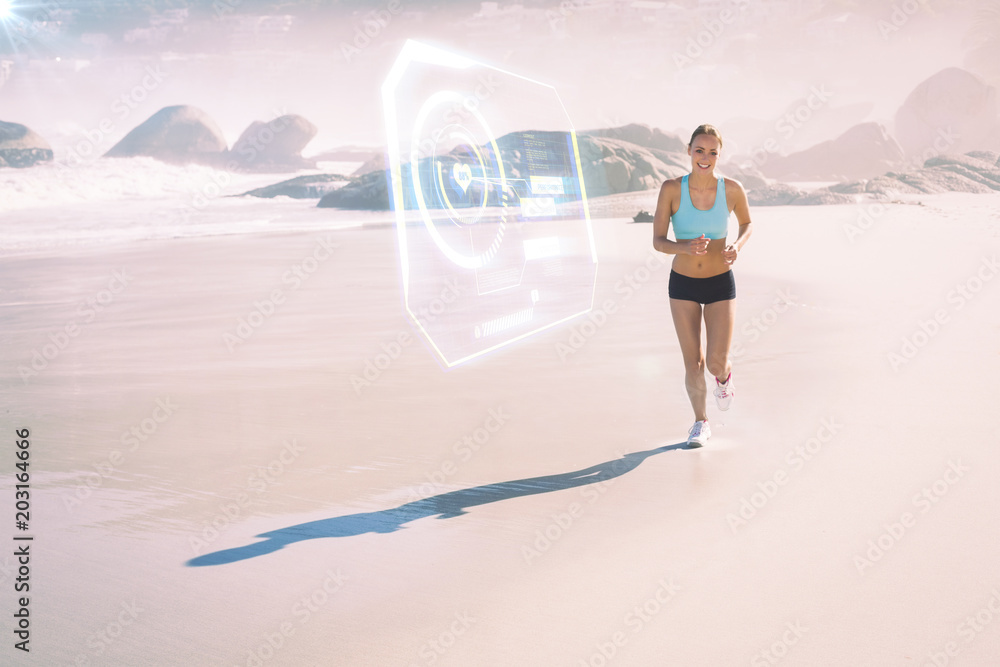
(703, 266)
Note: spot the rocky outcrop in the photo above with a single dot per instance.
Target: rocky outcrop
(612, 166)
(178, 134)
(314, 186)
(21, 147)
(953, 111)
(968, 167)
(972, 172)
(274, 146)
(782, 194)
(864, 151)
(368, 192)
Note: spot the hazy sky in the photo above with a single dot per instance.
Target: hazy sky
(607, 73)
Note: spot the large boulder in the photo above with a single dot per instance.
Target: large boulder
(276, 145)
(178, 134)
(953, 111)
(22, 147)
(612, 166)
(864, 151)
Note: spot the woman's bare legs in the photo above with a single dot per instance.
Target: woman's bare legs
(719, 321)
(687, 322)
(719, 317)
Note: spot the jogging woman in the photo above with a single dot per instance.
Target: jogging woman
(701, 278)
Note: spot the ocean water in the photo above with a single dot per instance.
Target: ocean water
(53, 206)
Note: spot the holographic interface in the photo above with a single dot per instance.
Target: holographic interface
(495, 239)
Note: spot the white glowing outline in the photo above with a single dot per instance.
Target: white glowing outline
(417, 52)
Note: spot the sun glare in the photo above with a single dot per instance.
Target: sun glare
(5, 9)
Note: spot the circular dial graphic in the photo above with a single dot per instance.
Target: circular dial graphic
(463, 175)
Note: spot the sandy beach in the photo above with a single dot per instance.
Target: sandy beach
(534, 506)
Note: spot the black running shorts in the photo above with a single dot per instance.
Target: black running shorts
(702, 290)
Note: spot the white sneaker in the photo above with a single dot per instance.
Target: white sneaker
(699, 433)
(724, 393)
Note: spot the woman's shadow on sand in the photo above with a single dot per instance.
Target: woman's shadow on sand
(445, 505)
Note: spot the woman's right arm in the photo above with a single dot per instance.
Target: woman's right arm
(661, 224)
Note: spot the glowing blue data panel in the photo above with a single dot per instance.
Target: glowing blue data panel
(495, 239)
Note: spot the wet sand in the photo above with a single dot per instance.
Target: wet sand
(532, 507)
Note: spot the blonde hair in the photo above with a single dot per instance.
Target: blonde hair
(710, 130)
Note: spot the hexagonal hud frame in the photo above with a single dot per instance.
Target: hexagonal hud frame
(495, 239)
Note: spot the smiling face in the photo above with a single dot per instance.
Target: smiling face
(704, 152)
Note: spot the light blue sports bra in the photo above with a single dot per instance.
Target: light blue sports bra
(690, 222)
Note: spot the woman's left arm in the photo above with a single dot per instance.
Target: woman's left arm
(742, 211)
